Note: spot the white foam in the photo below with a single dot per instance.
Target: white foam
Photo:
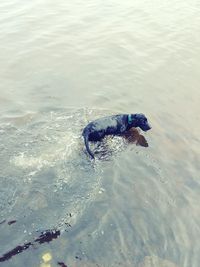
(51, 154)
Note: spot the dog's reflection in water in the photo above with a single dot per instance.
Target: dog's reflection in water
(133, 136)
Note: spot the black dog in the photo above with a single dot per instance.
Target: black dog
(113, 125)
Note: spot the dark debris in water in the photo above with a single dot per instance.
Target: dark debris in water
(45, 237)
(78, 258)
(11, 222)
(15, 251)
(62, 264)
(68, 224)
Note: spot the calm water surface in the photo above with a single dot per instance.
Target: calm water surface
(64, 63)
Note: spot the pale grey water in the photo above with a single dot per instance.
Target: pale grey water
(63, 64)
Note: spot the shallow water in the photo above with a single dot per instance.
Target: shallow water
(64, 64)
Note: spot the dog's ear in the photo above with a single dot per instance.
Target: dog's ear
(139, 116)
(134, 117)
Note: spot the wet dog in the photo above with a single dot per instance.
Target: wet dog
(113, 125)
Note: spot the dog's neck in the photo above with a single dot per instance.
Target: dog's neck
(129, 119)
(132, 122)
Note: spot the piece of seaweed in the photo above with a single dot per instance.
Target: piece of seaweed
(45, 237)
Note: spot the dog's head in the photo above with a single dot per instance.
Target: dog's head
(139, 120)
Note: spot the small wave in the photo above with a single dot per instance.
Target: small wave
(50, 156)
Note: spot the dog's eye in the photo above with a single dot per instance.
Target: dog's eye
(145, 120)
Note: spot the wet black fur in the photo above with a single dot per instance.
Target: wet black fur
(113, 125)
